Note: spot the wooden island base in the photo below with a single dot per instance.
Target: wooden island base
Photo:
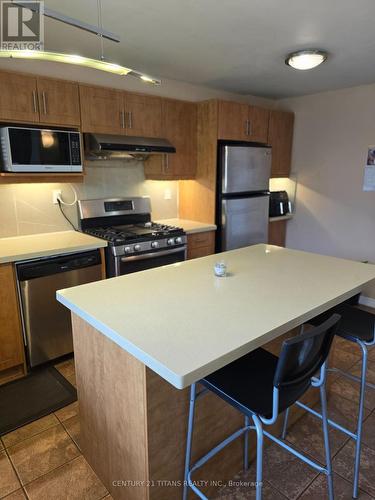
(133, 423)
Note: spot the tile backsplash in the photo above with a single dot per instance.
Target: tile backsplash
(28, 208)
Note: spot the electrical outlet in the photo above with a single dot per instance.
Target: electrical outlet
(56, 193)
(167, 194)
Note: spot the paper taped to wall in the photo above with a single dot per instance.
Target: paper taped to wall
(369, 178)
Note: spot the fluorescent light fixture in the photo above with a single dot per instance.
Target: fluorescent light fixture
(78, 60)
(306, 59)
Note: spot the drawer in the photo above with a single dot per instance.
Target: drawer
(205, 239)
(195, 253)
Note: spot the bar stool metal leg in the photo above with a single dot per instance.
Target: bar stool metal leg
(360, 419)
(189, 439)
(246, 446)
(327, 448)
(259, 474)
(285, 423)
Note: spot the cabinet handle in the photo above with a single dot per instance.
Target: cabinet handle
(34, 102)
(44, 102)
(130, 119)
(249, 132)
(122, 117)
(165, 163)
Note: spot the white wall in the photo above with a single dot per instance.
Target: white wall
(331, 135)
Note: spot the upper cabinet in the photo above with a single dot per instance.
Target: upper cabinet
(142, 114)
(58, 102)
(241, 122)
(18, 97)
(179, 126)
(101, 110)
(25, 98)
(110, 111)
(233, 118)
(280, 137)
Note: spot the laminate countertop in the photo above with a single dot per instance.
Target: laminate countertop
(31, 246)
(183, 322)
(189, 226)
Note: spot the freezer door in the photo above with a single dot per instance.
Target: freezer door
(244, 222)
(245, 168)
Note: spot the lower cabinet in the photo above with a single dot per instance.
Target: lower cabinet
(11, 344)
(277, 233)
(200, 244)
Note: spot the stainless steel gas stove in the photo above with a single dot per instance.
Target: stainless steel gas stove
(135, 242)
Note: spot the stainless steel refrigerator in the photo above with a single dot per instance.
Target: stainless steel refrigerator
(242, 204)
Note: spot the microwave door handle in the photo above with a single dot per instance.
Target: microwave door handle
(281, 208)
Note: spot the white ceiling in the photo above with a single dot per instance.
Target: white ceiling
(233, 45)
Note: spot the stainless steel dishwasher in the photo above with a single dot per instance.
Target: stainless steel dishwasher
(46, 323)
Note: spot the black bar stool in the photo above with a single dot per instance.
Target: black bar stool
(261, 386)
(357, 326)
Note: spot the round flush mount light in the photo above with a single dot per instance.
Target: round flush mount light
(306, 59)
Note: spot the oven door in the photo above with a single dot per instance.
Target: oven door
(135, 263)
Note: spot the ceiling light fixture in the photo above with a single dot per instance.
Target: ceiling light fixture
(306, 59)
(99, 64)
(77, 60)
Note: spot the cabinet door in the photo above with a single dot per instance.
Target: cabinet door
(58, 102)
(143, 115)
(101, 110)
(277, 233)
(233, 120)
(18, 97)
(200, 244)
(11, 345)
(257, 129)
(179, 126)
(280, 137)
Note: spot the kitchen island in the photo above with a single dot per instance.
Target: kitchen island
(140, 340)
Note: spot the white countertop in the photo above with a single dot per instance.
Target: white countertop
(281, 217)
(32, 246)
(184, 323)
(189, 226)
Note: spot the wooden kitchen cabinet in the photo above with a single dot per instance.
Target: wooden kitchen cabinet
(277, 233)
(11, 344)
(102, 110)
(18, 97)
(280, 137)
(142, 115)
(200, 244)
(179, 126)
(58, 102)
(241, 122)
(233, 118)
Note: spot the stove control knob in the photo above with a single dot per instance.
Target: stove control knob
(170, 241)
(154, 244)
(137, 248)
(128, 249)
(178, 240)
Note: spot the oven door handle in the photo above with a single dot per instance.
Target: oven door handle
(153, 255)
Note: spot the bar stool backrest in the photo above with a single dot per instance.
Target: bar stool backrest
(302, 356)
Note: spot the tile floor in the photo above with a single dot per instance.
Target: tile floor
(42, 460)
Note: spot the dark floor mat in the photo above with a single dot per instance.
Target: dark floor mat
(40, 393)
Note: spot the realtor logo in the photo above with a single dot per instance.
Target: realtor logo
(22, 25)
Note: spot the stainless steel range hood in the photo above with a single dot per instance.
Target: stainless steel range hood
(106, 146)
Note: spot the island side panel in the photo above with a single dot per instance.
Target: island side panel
(111, 394)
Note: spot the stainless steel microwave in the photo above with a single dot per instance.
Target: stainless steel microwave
(31, 150)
